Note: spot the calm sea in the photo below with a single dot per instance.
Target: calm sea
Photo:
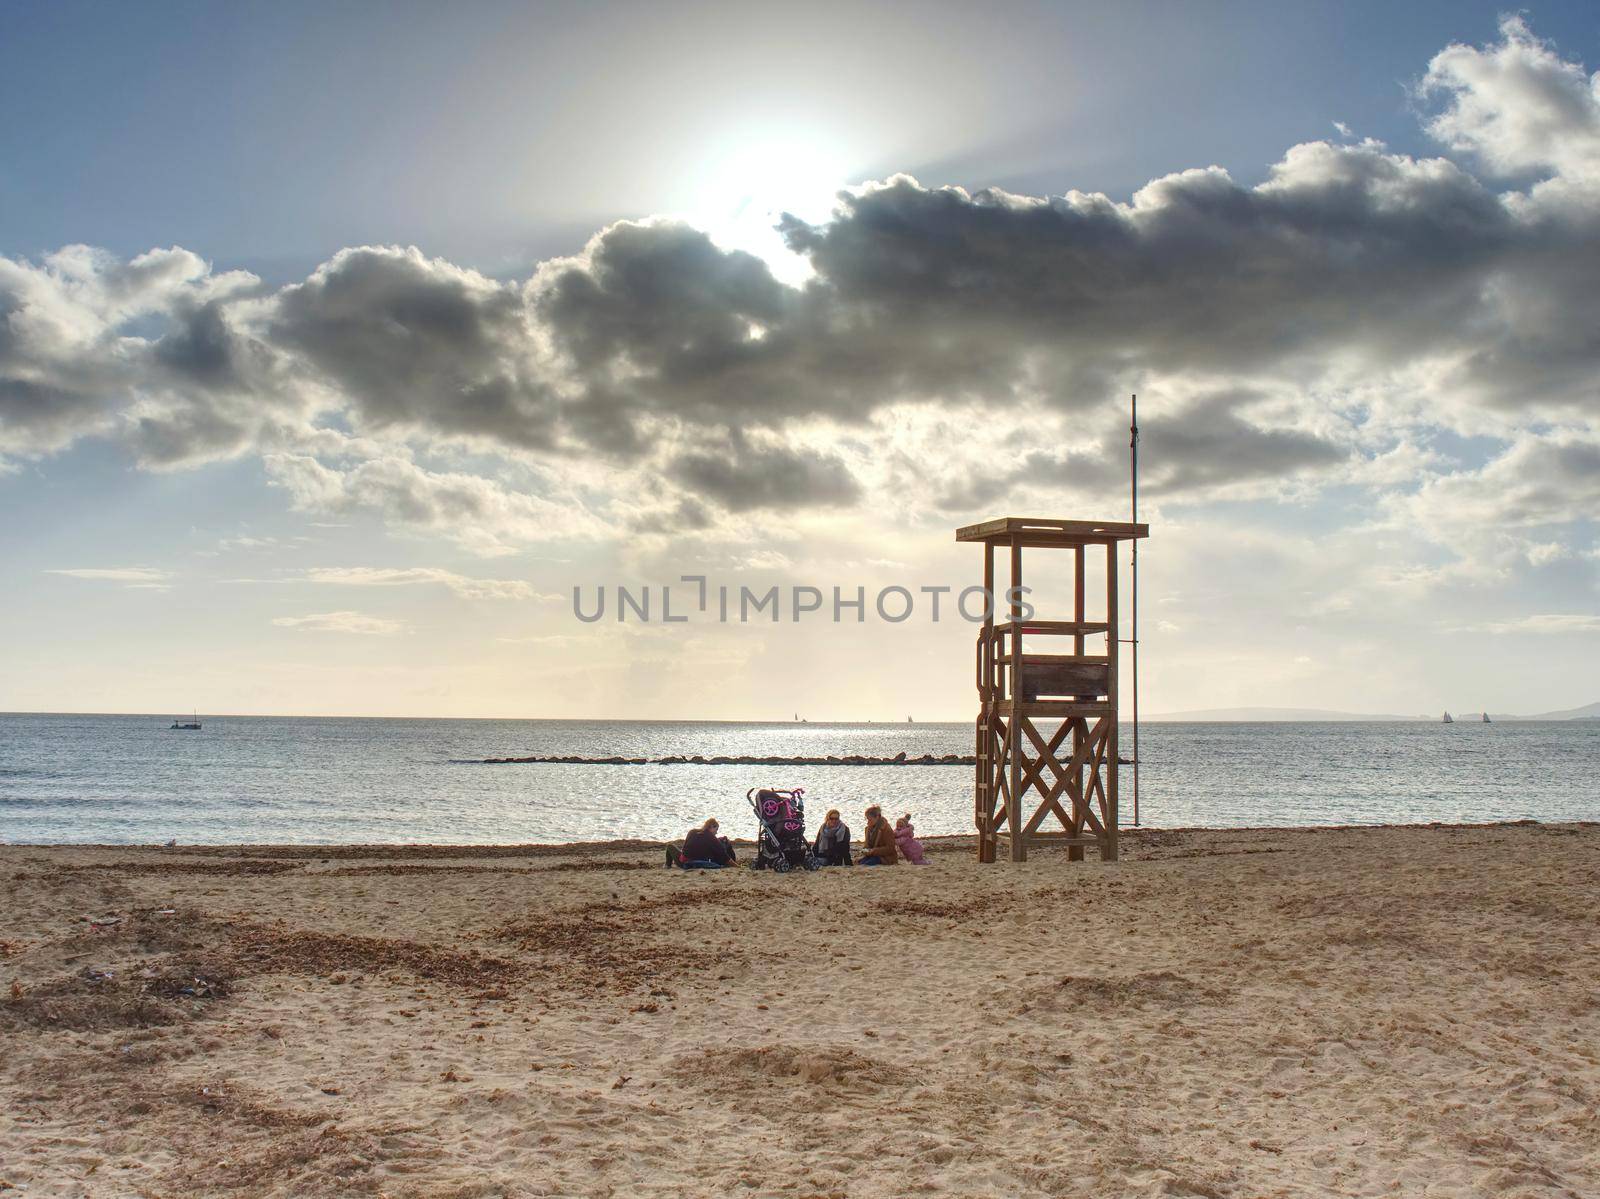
(129, 779)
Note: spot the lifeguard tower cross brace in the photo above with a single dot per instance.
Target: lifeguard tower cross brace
(1023, 775)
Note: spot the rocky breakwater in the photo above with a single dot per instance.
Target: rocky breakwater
(900, 759)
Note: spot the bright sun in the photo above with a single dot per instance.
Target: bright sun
(744, 190)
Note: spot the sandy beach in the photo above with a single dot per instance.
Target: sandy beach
(1409, 1011)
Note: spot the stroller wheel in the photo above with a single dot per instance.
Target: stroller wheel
(780, 865)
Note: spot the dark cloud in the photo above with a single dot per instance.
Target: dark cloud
(1208, 445)
(740, 477)
(415, 343)
(1211, 444)
(70, 368)
(204, 349)
(1343, 248)
(661, 298)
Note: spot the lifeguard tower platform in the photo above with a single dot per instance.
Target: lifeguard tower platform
(1038, 671)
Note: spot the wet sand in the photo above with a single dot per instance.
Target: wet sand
(1408, 1011)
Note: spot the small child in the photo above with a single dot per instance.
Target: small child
(905, 840)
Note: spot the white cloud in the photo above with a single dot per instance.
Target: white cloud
(128, 576)
(343, 622)
(461, 585)
(1518, 105)
(1540, 479)
(245, 541)
(765, 560)
(482, 514)
(1545, 552)
(1553, 622)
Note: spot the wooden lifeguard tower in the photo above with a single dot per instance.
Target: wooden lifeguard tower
(1072, 772)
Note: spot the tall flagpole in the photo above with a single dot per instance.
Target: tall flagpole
(1133, 482)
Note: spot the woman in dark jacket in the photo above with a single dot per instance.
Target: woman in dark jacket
(703, 849)
(832, 846)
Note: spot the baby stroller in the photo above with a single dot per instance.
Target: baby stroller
(781, 842)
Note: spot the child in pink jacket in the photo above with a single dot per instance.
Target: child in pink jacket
(905, 840)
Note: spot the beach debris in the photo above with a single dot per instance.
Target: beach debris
(172, 842)
(96, 998)
(103, 921)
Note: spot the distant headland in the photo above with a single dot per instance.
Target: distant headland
(1269, 715)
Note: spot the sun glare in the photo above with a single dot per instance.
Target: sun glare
(746, 188)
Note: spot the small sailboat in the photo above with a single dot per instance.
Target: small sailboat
(1447, 719)
(192, 724)
(909, 720)
(1486, 719)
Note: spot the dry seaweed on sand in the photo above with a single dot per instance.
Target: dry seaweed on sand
(94, 998)
(610, 946)
(587, 867)
(231, 867)
(271, 949)
(407, 869)
(962, 909)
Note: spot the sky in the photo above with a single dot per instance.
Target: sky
(340, 343)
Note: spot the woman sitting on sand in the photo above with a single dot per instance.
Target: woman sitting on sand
(877, 840)
(905, 840)
(832, 846)
(703, 849)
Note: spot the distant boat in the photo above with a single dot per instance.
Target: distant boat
(909, 720)
(193, 724)
(1447, 719)
(1486, 719)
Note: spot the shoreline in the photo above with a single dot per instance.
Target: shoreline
(940, 842)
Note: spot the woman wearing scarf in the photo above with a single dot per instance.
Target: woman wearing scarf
(832, 846)
(877, 840)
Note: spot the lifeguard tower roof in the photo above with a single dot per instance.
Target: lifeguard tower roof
(1041, 531)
